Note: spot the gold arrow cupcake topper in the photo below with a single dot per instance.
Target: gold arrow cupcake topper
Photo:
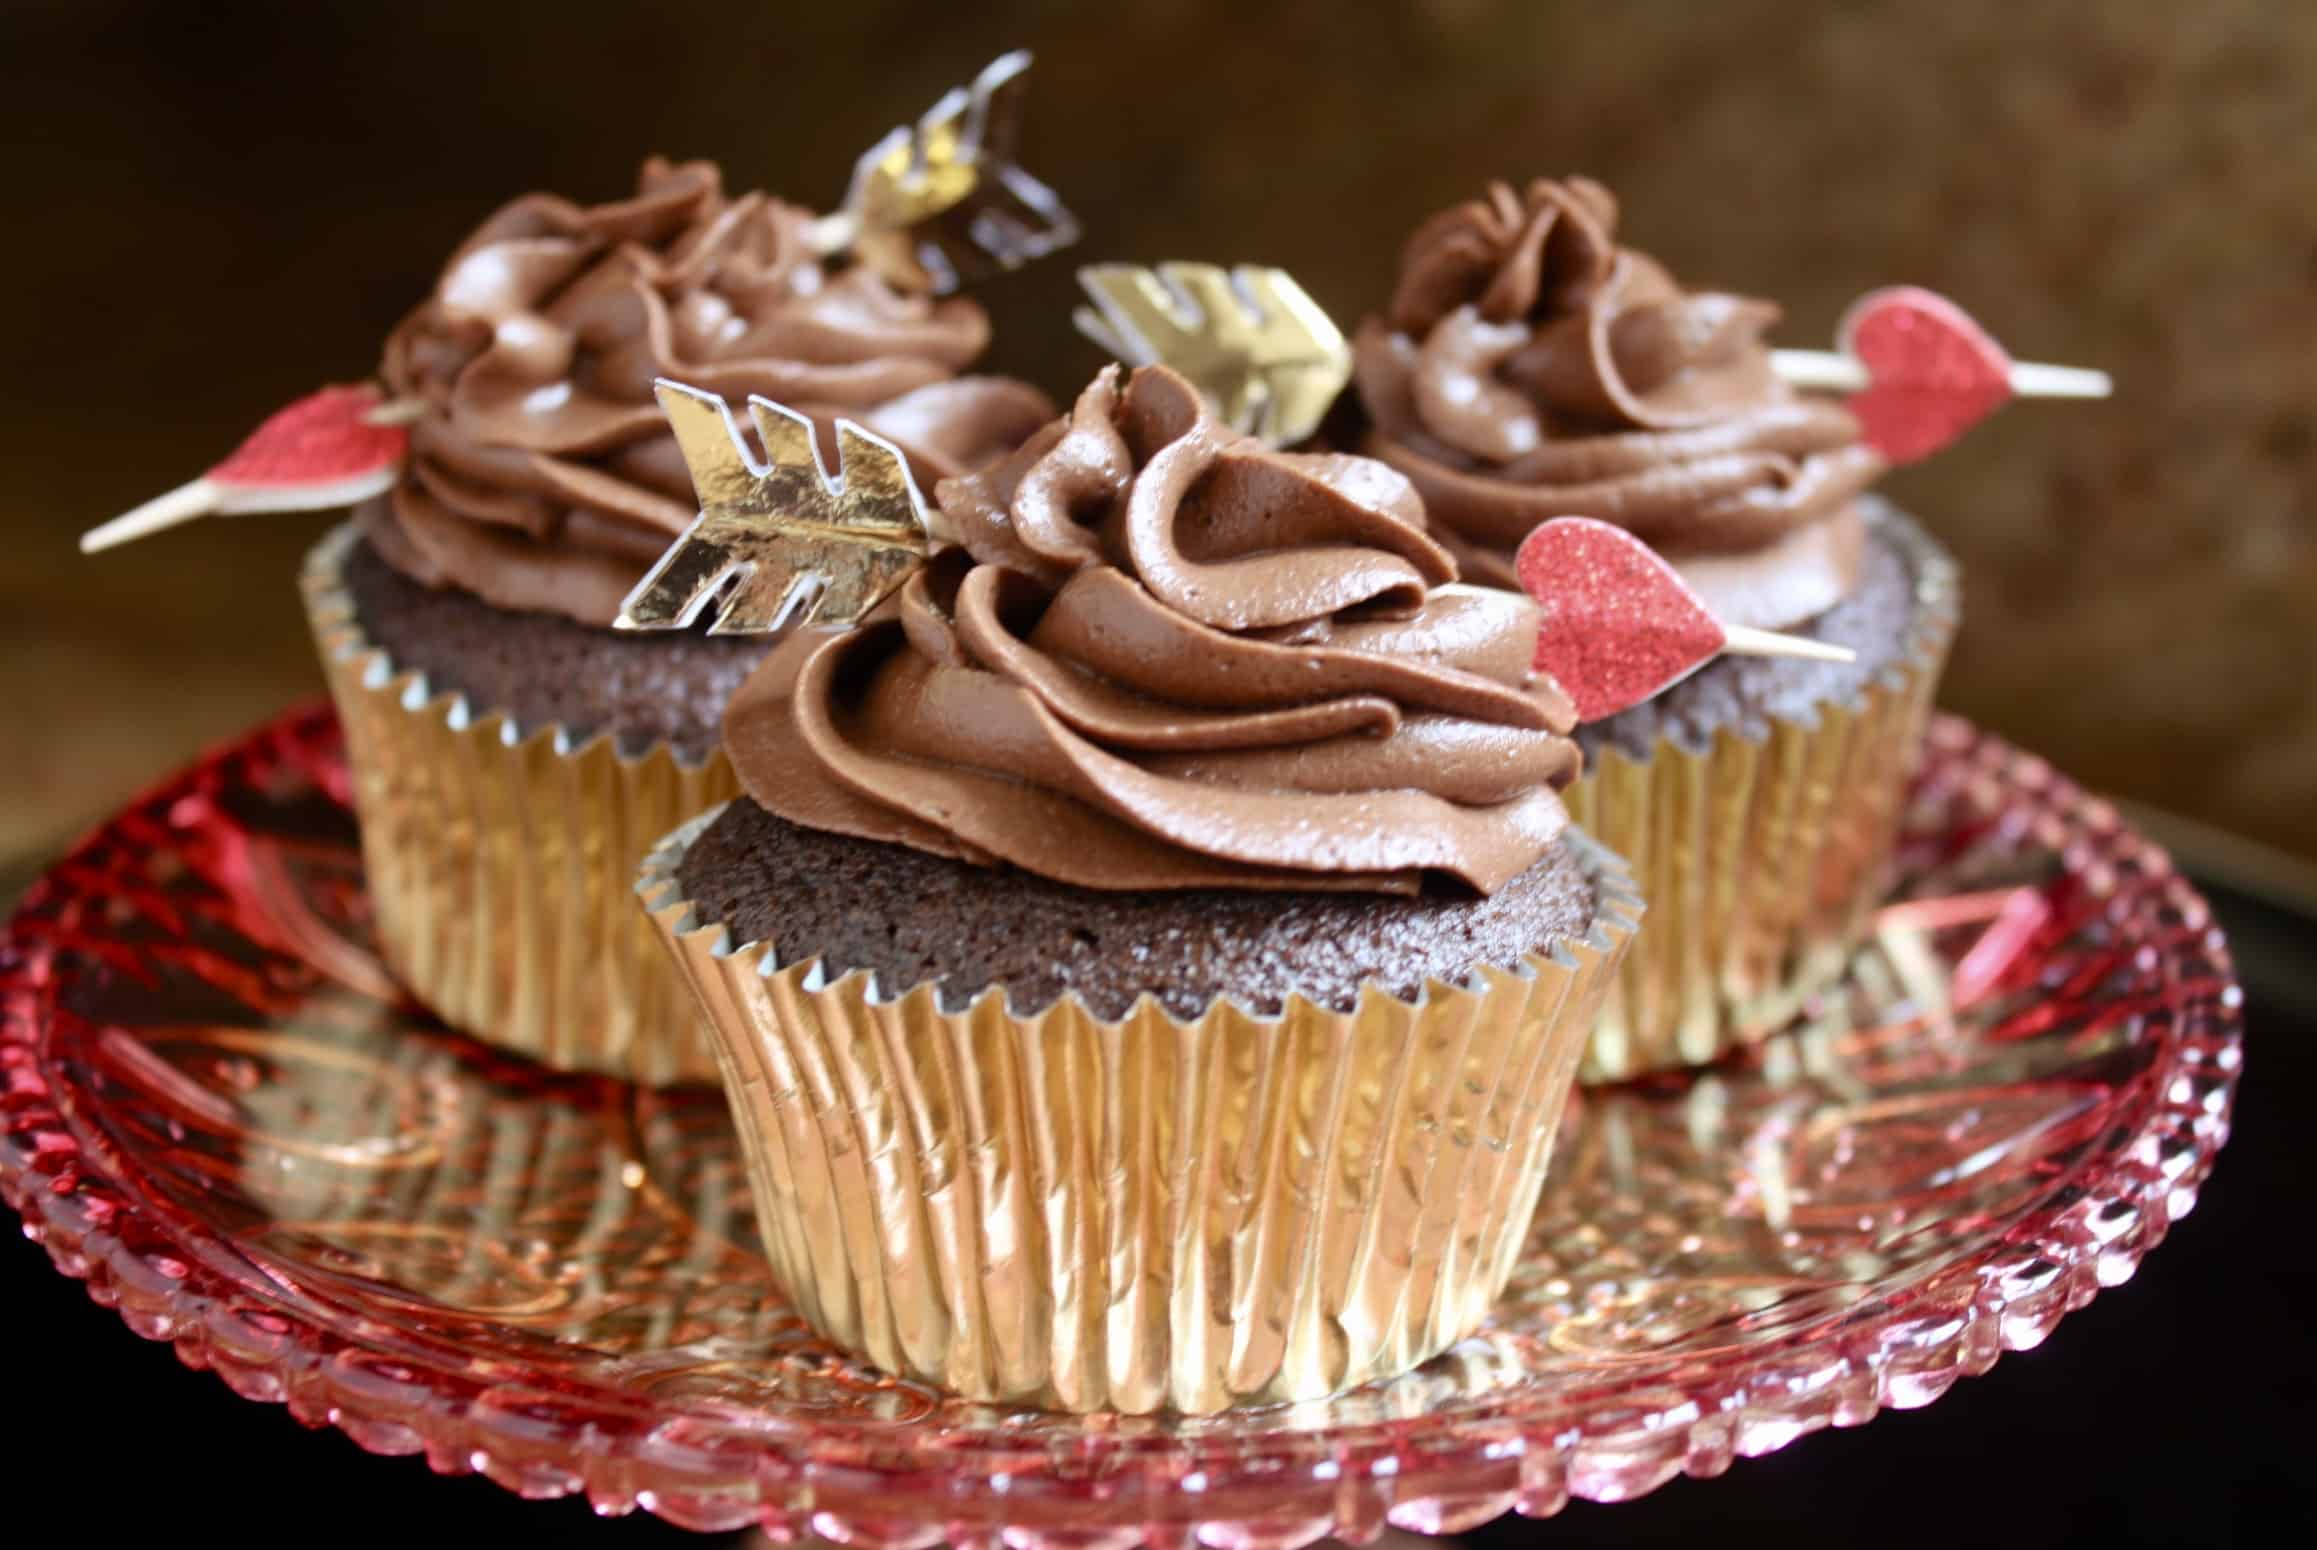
(782, 542)
(1251, 340)
(943, 203)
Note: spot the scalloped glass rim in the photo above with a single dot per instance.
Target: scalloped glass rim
(1504, 1423)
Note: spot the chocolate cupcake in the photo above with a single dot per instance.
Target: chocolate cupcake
(1151, 955)
(512, 753)
(1529, 368)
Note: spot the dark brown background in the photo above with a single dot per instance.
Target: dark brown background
(213, 209)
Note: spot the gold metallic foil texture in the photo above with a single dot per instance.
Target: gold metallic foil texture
(1761, 856)
(1149, 1214)
(1264, 355)
(501, 865)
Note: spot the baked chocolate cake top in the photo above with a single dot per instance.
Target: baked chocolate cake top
(1161, 655)
(1529, 368)
(544, 670)
(542, 475)
(910, 918)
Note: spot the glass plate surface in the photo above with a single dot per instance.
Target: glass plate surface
(216, 1111)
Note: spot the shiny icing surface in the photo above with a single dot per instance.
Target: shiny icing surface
(1162, 655)
(1528, 367)
(542, 475)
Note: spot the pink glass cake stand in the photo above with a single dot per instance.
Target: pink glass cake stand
(215, 1110)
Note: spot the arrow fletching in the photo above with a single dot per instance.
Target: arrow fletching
(781, 542)
(1252, 341)
(939, 204)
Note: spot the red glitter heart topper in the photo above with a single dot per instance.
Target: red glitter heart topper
(331, 448)
(1620, 625)
(1922, 371)
(1933, 372)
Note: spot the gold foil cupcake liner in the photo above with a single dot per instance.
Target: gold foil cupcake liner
(501, 859)
(1761, 856)
(1155, 1213)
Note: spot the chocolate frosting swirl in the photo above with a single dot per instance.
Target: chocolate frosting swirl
(1530, 368)
(542, 475)
(1163, 655)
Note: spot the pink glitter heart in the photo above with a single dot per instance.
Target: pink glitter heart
(322, 441)
(1619, 623)
(1933, 372)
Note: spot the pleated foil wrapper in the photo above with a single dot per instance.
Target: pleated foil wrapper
(1761, 856)
(1151, 1214)
(501, 860)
